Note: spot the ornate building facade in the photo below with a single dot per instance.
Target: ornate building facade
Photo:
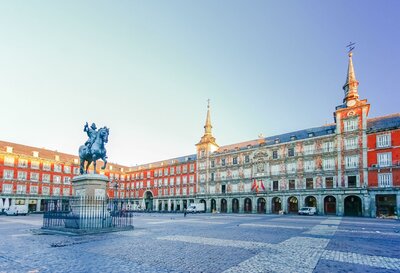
(350, 167)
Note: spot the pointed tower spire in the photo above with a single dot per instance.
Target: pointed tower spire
(208, 138)
(351, 86)
(208, 126)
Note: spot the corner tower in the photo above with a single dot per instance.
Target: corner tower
(351, 127)
(205, 148)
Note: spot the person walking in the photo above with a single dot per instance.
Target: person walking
(184, 212)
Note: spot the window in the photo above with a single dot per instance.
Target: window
(33, 190)
(385, 180)
(383, 141)
(178, 170)
(184, 191)
(350, 124)
(235, 160)
(184, 180)
(35, 165)
(309, 149)
(57, 167)
(22, 176)
(309, 165)
(223, 162)
(165, 181)
(309, 183)
(212, 163)
(165, 171)
(291, 167)
(351, 161)
(67, 169)
(191, 168)
(246, 159)
(212, 177)
(351, 181)
(56, 191)
(7, 188)
(35, 177)
(291, 152)
(9, 161)
(66, 192)
(178, 180)
(329, 182)
(275, 185)
(385, 159)
(8, 174)
(191, 179)
(350, 143)
(45, 190)
(328, 164)
(184, 169)
(171, 181)
(46, 166)
(172, 170)
(275, 169)
(327, 146)
(45, 178)
(292, 184)
(67, 180)
(22, 163)
(21, 189)
(275, 154)
(56, 179)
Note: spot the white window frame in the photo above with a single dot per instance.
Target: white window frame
(351, 161)
(350, 124)
(383, 140)
(384, 159)
(385, 180)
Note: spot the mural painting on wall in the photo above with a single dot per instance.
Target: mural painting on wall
(318, 182)
(319, 162)
(241, 186)
(229, 188)
(241, 174)
(300, 164)
(283, 184)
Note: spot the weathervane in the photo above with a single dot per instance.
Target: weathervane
(351, 46)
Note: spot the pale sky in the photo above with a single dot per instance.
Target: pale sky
(145, 69)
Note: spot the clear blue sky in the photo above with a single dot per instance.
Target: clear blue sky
(146, 68)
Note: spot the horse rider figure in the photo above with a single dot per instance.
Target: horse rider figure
(92, 134)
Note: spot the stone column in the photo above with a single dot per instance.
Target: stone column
(229, 205)
(268, 205)
(181, 204)
(38, 204)
(254, 208)
(366, 208)
(241, 205)
(398, 204)
(162, 205)
(373, 205)
(320, 205)
(218, 204)
(339, 204)
(208, 205)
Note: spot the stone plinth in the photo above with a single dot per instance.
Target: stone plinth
(90, 185)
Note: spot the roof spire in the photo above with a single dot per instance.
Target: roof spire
(351, 86)
(208, 126)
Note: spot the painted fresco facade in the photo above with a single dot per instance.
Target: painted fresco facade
(350, 167)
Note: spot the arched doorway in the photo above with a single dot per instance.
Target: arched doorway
(261, 205)
(224, 206)
(202, 201)
(159, 205)
(276, 205)
(148, 200)
(293, 204)
(184, 204)
(235, 205)
(310, 201)
(352, 206)
(247, 205)
(330, 205)
(213, 205)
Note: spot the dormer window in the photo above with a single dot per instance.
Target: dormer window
(310, 134)
(293, 138)
(9, 149)
(276, 140)
(35, 154)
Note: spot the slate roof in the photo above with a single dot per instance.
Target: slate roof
(383, 123)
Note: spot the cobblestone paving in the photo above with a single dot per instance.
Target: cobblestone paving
(208, 243)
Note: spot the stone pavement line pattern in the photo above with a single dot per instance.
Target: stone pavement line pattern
(355, 258)
(270, 226)
(216, 242)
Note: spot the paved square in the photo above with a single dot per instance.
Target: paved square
(208, 243)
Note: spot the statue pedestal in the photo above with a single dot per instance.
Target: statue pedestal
(90, 185)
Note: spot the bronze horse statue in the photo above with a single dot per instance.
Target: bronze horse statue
(95, 151)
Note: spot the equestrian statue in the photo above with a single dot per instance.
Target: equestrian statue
(93, 149)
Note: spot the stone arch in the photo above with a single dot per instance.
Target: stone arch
(352, 206)
(276, 205)
(224, 206)
(293, 204)
(247, 205)
(235, 205)
(330, 205)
